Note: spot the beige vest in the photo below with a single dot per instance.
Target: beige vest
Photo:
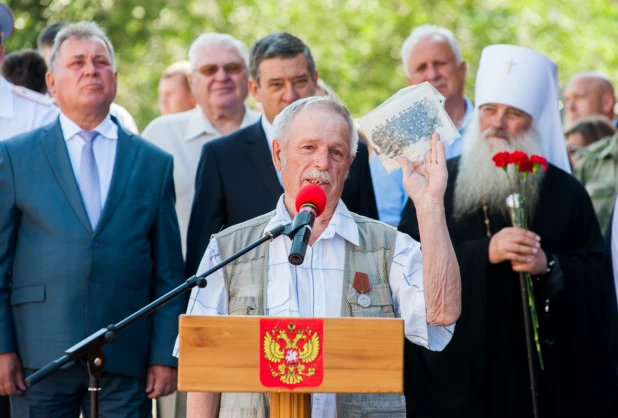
(245, 282)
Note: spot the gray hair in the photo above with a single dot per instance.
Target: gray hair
(80, 30)
(283, 121)
(178, 68)
(212, 39)
(434, 32)
(328, 91)
(278, 45)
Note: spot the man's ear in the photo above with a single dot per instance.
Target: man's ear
(277, 155)
(50, 79)
(463, 68)
(190, 80)
(608, 101)
(253, 88)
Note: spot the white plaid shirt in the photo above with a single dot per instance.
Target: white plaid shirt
(314, 289)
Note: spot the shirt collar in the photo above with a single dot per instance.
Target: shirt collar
(199, 123)
(341, 223)
(107, 128)
(6, 99)
(268, 130)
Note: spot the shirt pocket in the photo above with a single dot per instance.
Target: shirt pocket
(380, 302)
(242, 305)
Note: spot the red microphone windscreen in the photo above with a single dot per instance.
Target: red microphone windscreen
(314, 195)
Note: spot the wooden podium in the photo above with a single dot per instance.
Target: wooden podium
(226, 354)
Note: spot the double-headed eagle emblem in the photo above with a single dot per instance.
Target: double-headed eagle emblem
(291, 351)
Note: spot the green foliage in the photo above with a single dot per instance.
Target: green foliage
(355, 42)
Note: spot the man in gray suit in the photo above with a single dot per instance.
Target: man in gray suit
(88, 234)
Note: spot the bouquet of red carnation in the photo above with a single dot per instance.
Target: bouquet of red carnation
(523, 175)
(525, 169)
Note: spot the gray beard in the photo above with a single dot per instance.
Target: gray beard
(480, 182)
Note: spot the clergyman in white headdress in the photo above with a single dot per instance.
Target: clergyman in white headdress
(484, 371)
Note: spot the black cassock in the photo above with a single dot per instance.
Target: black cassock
(483, 371)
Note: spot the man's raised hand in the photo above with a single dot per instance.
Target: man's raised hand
(425, 181)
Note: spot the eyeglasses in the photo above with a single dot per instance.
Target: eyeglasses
(211, 69)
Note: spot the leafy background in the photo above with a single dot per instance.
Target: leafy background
(355, 42)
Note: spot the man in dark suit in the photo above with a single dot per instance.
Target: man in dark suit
(88, 234)
(236, 179)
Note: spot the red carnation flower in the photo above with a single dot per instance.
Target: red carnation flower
(526, 166)
(537, 160)
(501, 159)
(517, 157)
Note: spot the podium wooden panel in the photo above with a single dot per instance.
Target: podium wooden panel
(222, 354)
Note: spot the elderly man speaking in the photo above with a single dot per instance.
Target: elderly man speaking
(315, 144)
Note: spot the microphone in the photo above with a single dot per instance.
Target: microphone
(310, 203)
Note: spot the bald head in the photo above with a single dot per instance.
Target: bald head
(587, 94)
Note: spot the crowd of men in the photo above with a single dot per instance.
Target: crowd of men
(97, 220)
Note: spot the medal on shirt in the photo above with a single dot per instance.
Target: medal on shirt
(361, 285)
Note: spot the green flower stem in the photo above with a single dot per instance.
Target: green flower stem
(534, 316)
(521, 220)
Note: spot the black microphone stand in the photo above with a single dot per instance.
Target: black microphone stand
(301, 238)
(89, 349)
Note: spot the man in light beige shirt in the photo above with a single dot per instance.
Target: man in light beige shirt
(218, 80)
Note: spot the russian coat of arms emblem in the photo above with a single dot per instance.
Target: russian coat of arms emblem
(291, 352)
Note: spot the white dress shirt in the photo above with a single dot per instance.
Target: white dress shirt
(103, 146)
(268, 131)
(22, 110)
(183, 135)
(313, 289)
